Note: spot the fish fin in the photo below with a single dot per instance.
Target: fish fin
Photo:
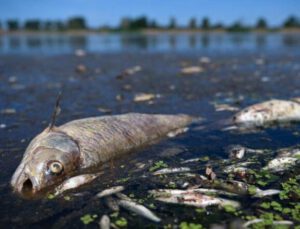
(55, 112)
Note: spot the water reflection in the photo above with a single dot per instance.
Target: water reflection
(161, 42)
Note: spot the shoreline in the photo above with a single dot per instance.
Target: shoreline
(149, 31)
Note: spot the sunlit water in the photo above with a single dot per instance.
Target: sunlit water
(51, 44)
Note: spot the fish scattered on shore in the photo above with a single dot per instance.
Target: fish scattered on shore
(191, 197)
(104, 222)
(274, 223)
(60, 152)
(75, 182)
(191, 70)
(239, 151)
(172, 170)
(139, 210)
(110, 191)
(281, 164)
(130, 71)
(272, 111)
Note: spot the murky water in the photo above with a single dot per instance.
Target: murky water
(243, 69)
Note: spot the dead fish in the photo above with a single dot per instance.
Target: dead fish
(104, 222)
(139, 210)
(172, 170)
(281, 164)
(74, 182)
(258, 115)
(209, 191)
(241, 188)
(191, 70)
(60, 152)
(142, 97)
(112, 203)
(190, 197)
(110, 191)
(130, 71)
(239, 151)
(274, 222)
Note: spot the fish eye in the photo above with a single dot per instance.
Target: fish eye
(55, 167)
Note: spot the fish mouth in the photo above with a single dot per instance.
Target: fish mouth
(26, 185)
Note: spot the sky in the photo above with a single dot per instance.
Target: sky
(109, 12)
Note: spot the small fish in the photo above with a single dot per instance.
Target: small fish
(61, 152)
(104, 222)
(75, 182)
(129, 71)
(274, 223)
(239, 151)
(110, 191)
(281, 164)
(139, 210)
(172, 170)
(112, 203)
(191, 70)
(191, 197)
(272, 111)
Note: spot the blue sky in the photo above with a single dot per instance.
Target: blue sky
(99, 12)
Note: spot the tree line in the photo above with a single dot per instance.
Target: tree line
(139, 23)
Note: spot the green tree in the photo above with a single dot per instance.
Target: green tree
(125, 23)
(205, 25)
(291, 22)
(261, 24)
(172, 23)
(193, 23)
(32, 25)
(153, 24)
(139, 23)
(13, 25)
(76, 23)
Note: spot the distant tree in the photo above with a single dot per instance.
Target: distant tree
(139, 23)
(32, 25)
(125, 23)
(153, 24)
(48, 25)
(172, 23)
(205, 25)
(218, 26)
(59, 25)
(13, 25)
(0, 25)
(261, 24)
(291, 22)
(76, 23)
(192, 23)
(238, 27)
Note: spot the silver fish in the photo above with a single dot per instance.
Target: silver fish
(258, 115)
(104, 222)
(110, 191)
(239, 151)
(60, 152)
(172, 170)
(281, 164)
(191, 197)
(74, 182)
(139, 209)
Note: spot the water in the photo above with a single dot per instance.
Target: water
(241, 72)
(53, 44)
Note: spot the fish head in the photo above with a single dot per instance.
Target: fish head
(250, 117)
(48, 160)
